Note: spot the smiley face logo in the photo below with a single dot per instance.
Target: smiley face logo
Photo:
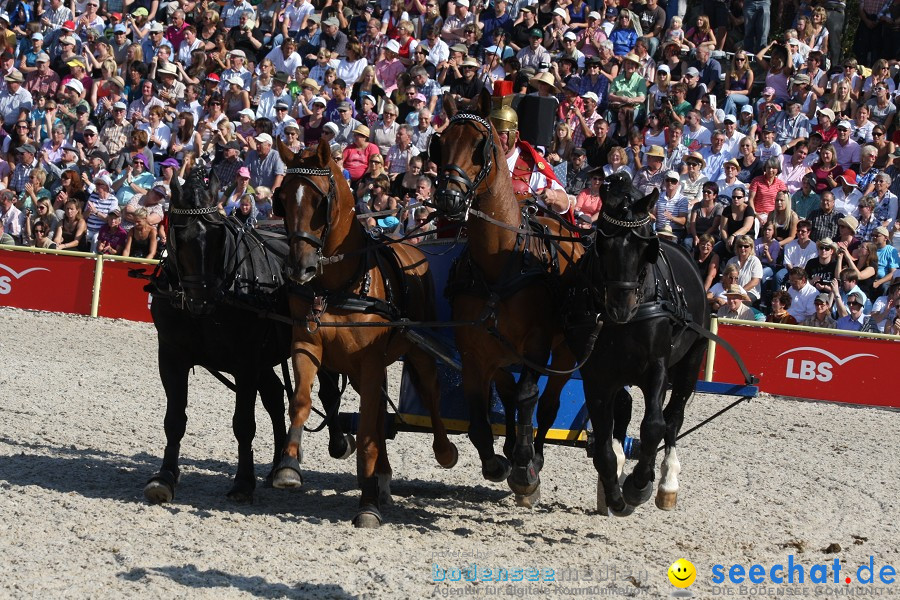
(682, 573)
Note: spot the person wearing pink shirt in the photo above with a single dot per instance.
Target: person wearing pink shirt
(389, 69)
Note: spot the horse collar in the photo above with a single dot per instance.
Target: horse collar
(626, 223)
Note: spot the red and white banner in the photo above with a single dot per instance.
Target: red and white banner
(121, 296)
(810, 364)
(48, 282)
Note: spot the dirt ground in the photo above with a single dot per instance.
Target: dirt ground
(81, 431)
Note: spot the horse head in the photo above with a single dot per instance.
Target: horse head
(626, 244)
(309, 195)
(465, 153)
(197, 238)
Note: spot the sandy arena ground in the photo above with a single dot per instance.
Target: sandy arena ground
(81, 431)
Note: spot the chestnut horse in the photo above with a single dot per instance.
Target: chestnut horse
(342, 276)
(516, 275)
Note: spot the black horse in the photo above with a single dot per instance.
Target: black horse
(652, 302)
(204, 298)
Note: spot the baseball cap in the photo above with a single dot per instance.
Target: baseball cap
(91, 127)
(249, 111)
(213, 77)
(319, 100)
(420, 97)
(462, 3)
(611, 11)
(536, 33)
(161, 190)
(156, 27)
(233, 145)
(331, 127)
(104, 179)
(331, 22)
(561, 12)
(43, 57)
(345, 105)
(75, 85)
(858, 295)
(263, 138)
(141, 12)
(37, 36)
(120, 29)
(591, 96)
(673, 175)
(244, 172)
(730, 119)
(769, 91)
(824, 298)
(570, 36)
(238, 52)
(70, 25)
(25, 148)
(120, 105)
(844, 125)
(594, 15)
(747, 109)
(235, 80)
(692, 72)
(827, 112)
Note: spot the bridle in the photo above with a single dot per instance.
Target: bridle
(213, 282)
(306, 174)
(625, 227)
(455, 204)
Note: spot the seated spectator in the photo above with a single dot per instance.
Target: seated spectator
(71, 234)
(884, 310)
(888, 259)
(734, 308)
(750, 268)
(42, 238)
(112, 236)
(716, 294)
(821, 269)
(767, 251)
(825, 219)
(706, 215)
(821, 318)
(737, 220)
(588, 203)
(141, 242)
(12, 220)
(135, 181)
(851, 316)
(781, 302)
(707, 261)
(844, 286)
(803, 294)
(806, 199)
(98, 206)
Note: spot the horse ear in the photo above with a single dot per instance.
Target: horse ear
(175, 191)
(214, 186)
(484, 103)
(287, 157)
(323, 154)
(450, 105)
(643, 205)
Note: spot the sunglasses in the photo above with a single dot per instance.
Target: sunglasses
(744, 246)
(710, 192)
(877, 134)
(854, 303)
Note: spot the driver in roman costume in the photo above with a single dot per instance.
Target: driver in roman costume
(531, 174)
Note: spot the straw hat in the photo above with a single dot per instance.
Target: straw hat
(736, 290)
(656, 151)
(362, 130)
(544, 77)
(696, 156)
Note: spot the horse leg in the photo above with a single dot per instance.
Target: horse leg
(638, 486)
(601, 399)
(423, 373)
(621, 418)
(305, 361)
(684, 381)
(340, 445)
(243, 423)
(524, 479)
(476, 389)
(370, 439)
(173, 372)
(506, 389)
(548, 404)
(271, 391)
(383, 471)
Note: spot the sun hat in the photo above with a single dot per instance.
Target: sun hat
(736, 290)
(656, 151)
(281, 77)
(235, 80)
(696, 156)
(75, 85)
(544, 77)
(362, 130)
(170, 162)
(849, 221)
(244, 172)
(14, 76)
(849, 177)
(826, 243)
(632, 57)
(393, 46)
(881, 230)
(104, 179)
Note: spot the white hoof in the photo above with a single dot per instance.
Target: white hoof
(530, 500)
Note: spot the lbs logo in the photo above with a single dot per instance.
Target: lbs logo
(6, 280)
(811, 369)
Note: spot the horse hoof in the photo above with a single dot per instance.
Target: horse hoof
(530, 500)
(287, 474)
(449, 458)
(241, 494)
(666, 500)
(158, 492)
(161, 487)
(497, 469)
(524, 480)
(344, 449)
(367, 518)
(633, 495)
(623, 512)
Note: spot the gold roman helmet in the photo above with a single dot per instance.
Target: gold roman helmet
(503, 117)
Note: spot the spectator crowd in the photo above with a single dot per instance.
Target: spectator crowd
(774, 149)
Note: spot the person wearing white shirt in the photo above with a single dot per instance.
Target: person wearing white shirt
(237, 58)
(285, 57)
(768, 148)
(846, 150)
(190, 43)
(278, 93)
(846, 195)
(733, 137)
(803, 295)
(438, 50)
